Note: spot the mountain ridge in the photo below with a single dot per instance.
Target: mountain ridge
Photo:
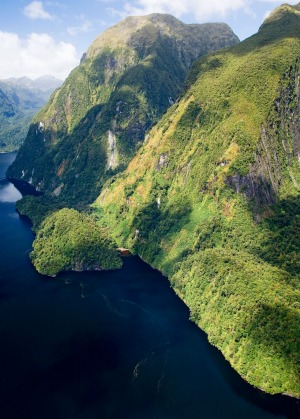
(125, 82)
(212, 201)
(46, 82)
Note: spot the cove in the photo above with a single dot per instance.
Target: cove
(114, 344)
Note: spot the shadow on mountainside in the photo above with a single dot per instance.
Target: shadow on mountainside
(275, 330)
(281, 249)
(157, 228)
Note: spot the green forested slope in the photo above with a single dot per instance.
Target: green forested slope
(68, 240)
(212, 200)
(95, 123)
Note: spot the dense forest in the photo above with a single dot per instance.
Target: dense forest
(211, 198)
(94, 124)
(69, 240)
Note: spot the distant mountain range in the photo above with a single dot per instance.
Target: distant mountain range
(20, 99)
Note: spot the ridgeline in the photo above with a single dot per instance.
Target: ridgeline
(211, 196)
(212, 201)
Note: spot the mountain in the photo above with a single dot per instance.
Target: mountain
(45, 83)
(20, 99)
(94, 125)
(212, 200)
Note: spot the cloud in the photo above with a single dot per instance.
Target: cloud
(35, 56)
(86, 26)
(200, 9)
(276, 3)
(35, 10)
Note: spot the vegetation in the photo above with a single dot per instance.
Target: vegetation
(37, 208)
(212, 200)
(126, 81)
(20, 99)
(69, 240)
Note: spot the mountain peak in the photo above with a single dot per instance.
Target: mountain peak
(153, 25)
(128, 78)
(283, 15)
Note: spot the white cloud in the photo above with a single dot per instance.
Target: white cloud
(277, 3)
(35, 10)
(86, 26)
(37, 55)
(199, 8)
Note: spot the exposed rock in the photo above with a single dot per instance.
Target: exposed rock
(57, 191)
(112, 151)
(124, 252)
(280, 135)
(126, 80)
(163, 161)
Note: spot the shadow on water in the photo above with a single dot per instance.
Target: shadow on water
(109, 345)
(278, 405)
(24, 187)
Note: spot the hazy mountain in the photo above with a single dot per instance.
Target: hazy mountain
(43, 83)
(20, 99)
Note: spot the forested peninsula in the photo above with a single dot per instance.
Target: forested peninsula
(202, 180)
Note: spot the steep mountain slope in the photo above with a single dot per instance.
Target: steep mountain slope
(20, 99)
(95, 123)
(212, 200)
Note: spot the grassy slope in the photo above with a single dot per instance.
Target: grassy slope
(232, 257)
(123, 85)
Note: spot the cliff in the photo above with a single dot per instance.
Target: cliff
(94, 125)
(212, 200)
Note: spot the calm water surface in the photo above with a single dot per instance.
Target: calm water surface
(107, 345)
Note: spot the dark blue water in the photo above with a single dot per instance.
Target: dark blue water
(107, 345)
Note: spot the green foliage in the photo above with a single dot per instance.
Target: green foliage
(249, 310)
(282, 248)
(69, 240)
(212, 201)
(129, 77)
(37, 208)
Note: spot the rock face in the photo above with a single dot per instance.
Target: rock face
(266, 174)
(127, 79)
(112, 151)
(212, 200)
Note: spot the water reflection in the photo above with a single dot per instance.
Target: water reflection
(8, 193)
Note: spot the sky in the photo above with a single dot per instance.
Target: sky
(49, 37)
